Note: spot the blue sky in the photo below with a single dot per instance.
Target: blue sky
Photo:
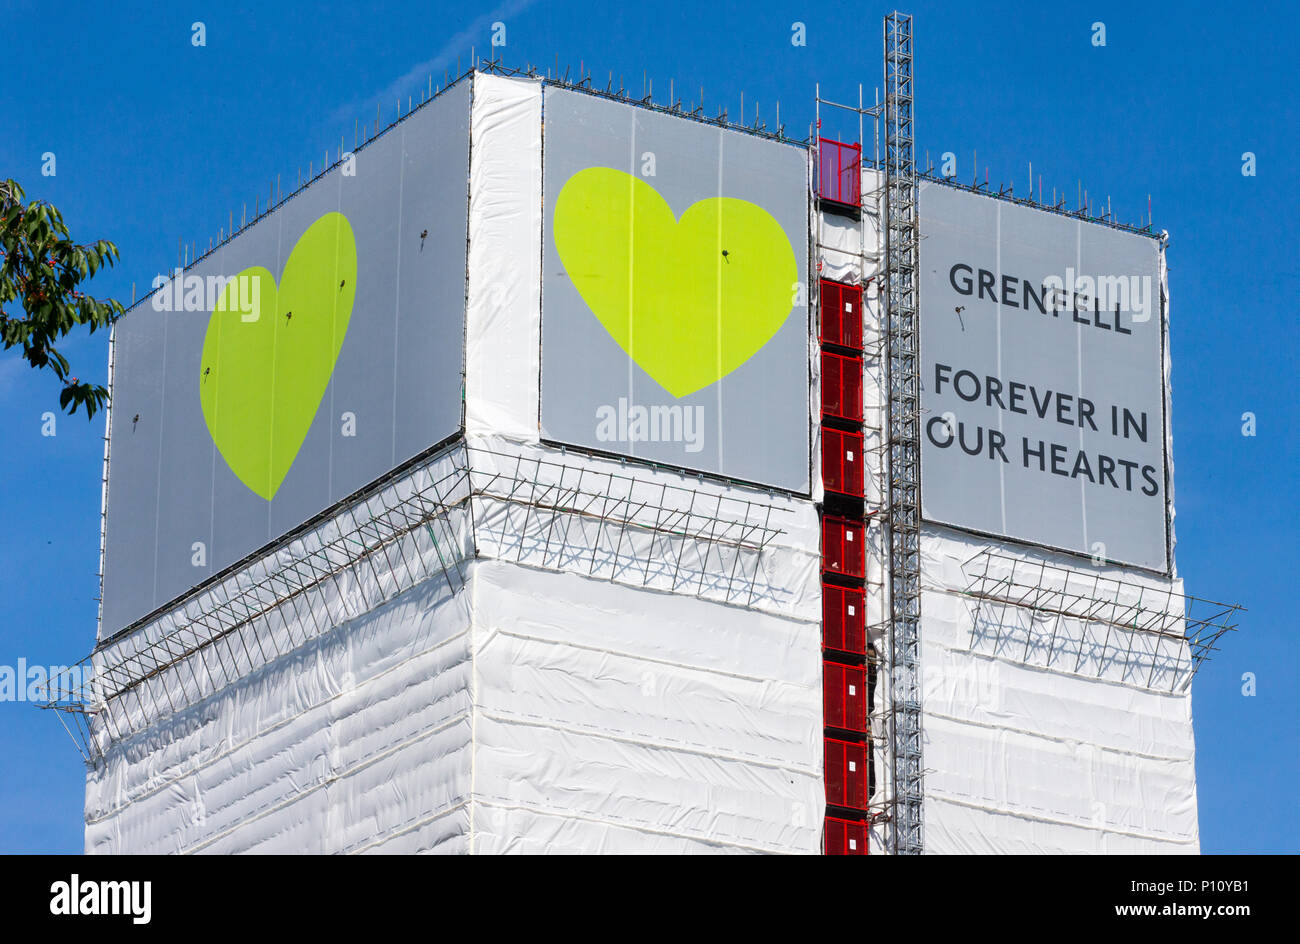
(158, 141)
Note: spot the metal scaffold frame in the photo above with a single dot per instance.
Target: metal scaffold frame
(1141, 634)
(420, 523)
(616, 525)
(903, 386)
(370, 549)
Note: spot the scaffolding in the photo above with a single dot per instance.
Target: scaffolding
(418, 526)
(372, 548)
(1116, 628)
(615, 525)
(903, 386)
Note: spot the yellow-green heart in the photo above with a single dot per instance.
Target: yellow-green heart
(689, 300)
(267, 359)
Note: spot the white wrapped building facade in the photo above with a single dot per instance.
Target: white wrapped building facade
(512, 644)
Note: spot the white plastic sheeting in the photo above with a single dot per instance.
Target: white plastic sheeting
(357, 741)
(661, 694)
(841, 243)
(533, 710)
(503, 314)
(1073, 754)
(615, 719)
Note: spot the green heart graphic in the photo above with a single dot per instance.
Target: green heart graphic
(689, 300)
(269, 353)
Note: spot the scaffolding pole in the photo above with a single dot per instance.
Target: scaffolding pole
(903, 383)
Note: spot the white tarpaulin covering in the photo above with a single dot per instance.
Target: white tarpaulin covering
(503, 335)
(591, 717)
(537, 708)
(1083, 751)
(612, 719)
(357, 741)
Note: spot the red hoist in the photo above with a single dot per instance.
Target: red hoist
(848, 675)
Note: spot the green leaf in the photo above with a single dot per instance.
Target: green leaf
(41, 276)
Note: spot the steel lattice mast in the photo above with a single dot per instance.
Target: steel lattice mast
(902, 366)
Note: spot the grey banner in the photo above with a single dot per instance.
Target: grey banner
(226, 435)
(674, 315)
(1042, 378)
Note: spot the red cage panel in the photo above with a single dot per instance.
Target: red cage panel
(844, 696)
(839, 171)
(846, 774)
(842, 546)
(844, 624)
(844, 837)
(842, 387)
(841, 314)
(842, 462)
